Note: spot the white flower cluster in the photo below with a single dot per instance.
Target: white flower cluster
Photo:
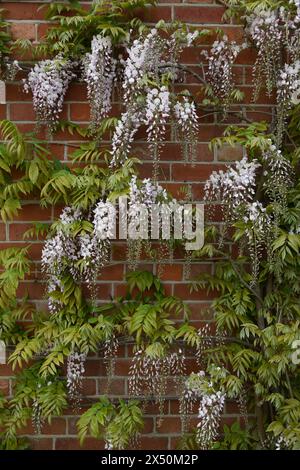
(75, 372)
(256, 214)
(144, 57)
(123, 136)
(209, 414)
(148, 376)
(48, 82)
(157, 113)
(264, 29)
(56, 250)
(99, 75)
(279, 175)
(82, 255)
(187, 121)
(148, 58)
(258, 233)
(234, 187)
(199, 388)
(147, 194)
(104, 220)
(291, 24)
(219, 75)
(204, 333)
(153, 114)
(288, 85)
(282, 443)
(288, 94)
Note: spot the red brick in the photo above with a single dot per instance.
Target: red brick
(76, 92)
(166, 425)
(22, 112)
(66, 443)
(152, 408)
(155, 14)
(113, 272)
(35, 291)
(183, 291)
(200, 15)
(153, 443)
(89, 387)
(231, 407)
(122, 367)
(3, 111)
(192, 55)
(23, 11)
(16, 231)
(114, 387)
(172, 272)
(41, 443)
(57, 151)
(2, 232)
(95, 368)
(33, 212)
(80, 112)
(199, 172)
(42, 29)
(201, 311)
(23, 31)
(173, 175)
(247, 56)
(229, 153)
(146, 171)
(14, 92)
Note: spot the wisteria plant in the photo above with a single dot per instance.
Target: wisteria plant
(251, 355)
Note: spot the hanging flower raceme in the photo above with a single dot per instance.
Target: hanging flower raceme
(141, 199)
(144, 57)
(49, 81)
(291, 22)
(200, 389)
(288, 94)
(147, 194)
(235, 190)
(258, 233)
(219, 74)
(75, 372)
(234, 187)
(123, 136)
(265, 30)
(157, 114)
(149, 57)
(187, 122)
(58, 251)
(149, 376)
(36, 417)
(99, 75)
(82, 255)
(279, 176)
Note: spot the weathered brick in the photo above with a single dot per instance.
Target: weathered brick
(199, 15)
(23, 31)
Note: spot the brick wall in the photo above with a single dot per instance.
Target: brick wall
(27, 21)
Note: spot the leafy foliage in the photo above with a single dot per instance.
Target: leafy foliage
(117, 424)
(76, 26)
